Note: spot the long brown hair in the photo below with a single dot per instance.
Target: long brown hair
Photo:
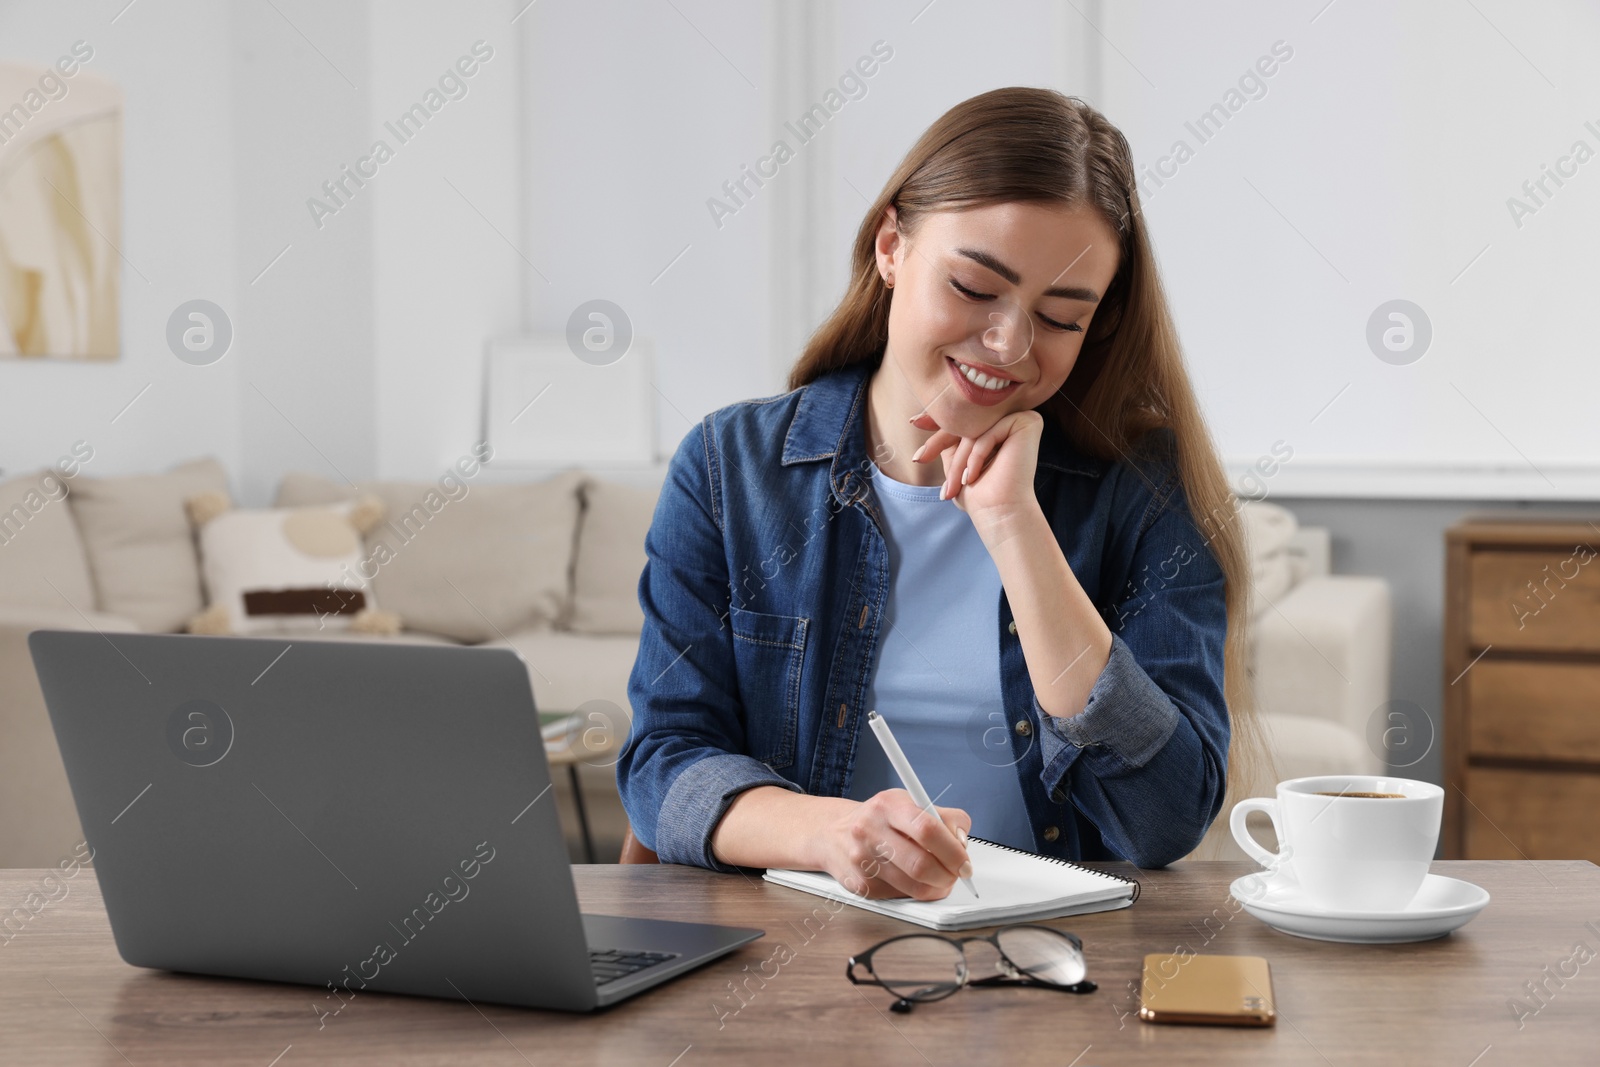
(1028, 144)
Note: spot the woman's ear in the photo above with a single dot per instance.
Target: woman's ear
(888, 244)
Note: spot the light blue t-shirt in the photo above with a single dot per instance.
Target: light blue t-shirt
(937, 676)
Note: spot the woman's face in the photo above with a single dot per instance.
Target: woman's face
(1004, 292)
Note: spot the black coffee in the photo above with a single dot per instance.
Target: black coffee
(1396, 796)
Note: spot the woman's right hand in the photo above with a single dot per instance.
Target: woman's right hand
(886, 846)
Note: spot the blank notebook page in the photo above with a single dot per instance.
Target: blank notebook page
(1012, 885)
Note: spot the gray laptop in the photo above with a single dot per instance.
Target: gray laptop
(351, 815)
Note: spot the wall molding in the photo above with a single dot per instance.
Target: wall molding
(1380, 480)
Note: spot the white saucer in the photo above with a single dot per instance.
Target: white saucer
(1440, 906)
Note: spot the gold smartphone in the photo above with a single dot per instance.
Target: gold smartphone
(1218, 990)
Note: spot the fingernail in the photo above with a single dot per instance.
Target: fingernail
(964, 477)
(943, 489)
(917, 454)
(966, 869)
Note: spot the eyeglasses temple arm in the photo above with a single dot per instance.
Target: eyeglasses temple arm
(1085, 986)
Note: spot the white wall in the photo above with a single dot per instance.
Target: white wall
(235, 116)
(447, 257)
(637, 123)
(636, 119)
(358, 347)
(173, 61)
(305, 398)
(1377, 165)
(584, 154)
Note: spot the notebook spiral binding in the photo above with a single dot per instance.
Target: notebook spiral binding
(1137, 888)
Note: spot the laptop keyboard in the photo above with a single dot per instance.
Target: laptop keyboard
(612, 963)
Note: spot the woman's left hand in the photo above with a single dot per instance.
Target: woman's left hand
(990, 477)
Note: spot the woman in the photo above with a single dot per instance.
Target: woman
(996, 414)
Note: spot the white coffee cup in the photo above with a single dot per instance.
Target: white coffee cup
(1349, 853)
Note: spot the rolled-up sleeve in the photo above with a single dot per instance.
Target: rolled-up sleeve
(684, 761)
(1127, 712)
(1146, 760)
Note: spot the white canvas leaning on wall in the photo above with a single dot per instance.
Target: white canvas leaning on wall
(547, 408)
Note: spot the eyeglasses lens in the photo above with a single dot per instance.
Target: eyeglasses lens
(920, 968)
(1044, 955)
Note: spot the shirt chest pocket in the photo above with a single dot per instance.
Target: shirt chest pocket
(769, 652)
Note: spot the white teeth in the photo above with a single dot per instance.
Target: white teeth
(981, 380)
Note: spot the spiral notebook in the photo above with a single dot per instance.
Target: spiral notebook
(1013, 886)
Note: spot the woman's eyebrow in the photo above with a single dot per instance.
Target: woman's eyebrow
(1071, 292)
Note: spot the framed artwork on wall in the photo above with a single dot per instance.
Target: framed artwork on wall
(60, 211)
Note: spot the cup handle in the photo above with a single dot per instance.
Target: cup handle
(1241, 832)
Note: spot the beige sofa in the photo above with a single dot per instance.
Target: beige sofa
(550, 569)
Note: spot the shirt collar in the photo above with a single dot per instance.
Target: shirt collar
(830, 423)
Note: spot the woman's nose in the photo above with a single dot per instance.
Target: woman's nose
(1008, 335)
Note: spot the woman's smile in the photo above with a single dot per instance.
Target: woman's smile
(983, 388)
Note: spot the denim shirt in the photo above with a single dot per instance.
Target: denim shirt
(765, 580)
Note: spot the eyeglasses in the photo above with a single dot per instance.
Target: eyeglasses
(923, 967)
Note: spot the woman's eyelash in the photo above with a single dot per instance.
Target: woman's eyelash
(1064, 326)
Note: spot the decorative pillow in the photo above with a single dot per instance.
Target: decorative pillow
(41, 554)
(140, 543)
(1268, 530)
(286, 570)
(610, 558)
(469, 562)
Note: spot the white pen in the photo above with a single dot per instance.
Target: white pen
(902, 767)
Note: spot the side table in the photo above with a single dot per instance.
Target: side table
(570, 741)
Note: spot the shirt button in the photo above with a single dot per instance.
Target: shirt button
(1051, 833)
(1012, 626)
(1024, 727)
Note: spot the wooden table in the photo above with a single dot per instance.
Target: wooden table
(66, 997)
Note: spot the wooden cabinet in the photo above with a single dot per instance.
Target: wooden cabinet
(1522, 689)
